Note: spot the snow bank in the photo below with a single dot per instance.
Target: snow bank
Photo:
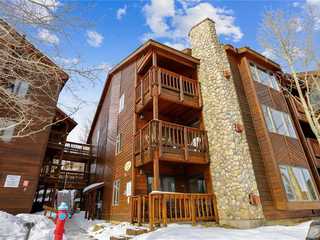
(13, 227)
(188, 232)
(43, 228)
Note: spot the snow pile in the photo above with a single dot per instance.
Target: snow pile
(13, 227)
(104, 231)
(188, 232)
(43, 227)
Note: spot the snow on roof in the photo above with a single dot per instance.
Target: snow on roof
(91, 186)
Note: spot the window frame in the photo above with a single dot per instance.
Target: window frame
(7, 134)
(121, 103)
(302, 170)
(285, 118)
(116, 192)
(118, 148)
(19, 88)
(273, 83)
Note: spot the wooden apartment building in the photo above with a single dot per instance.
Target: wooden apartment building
(35, 163)
(151, 138)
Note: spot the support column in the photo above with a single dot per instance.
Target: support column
(155, 150)
(231, 168)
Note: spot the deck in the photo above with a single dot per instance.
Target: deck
(65, 179)
(164, 207)
(172, 142)
(315, 150)
(298, 109)
(170, 87)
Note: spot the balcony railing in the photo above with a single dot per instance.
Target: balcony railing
(171, 86)
(66, 179)
(165, 207)
(172, 141)
(314, 144)
(73, 148)
(299, 109)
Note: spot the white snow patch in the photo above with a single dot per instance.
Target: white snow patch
(188, 232)
(43, 228)
(12, 227)
(106, 230)
(87, 188)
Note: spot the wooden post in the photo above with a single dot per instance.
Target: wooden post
(193, 211)
(151, 220)
(139, 210)
(181, 88)
(160, 139)
(199, 94)
(185, 139)
(141, 91)
(156, 172)
(141, 145)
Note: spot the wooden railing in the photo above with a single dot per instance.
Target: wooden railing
(165, 207)
(314, 144)
(170, 85)
(299, 109)
(66, 178)
(174, 142)
(77, 148)
(73, 147)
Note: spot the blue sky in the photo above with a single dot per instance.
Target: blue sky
(121, 26)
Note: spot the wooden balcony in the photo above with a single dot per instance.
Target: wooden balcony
(65, 179)
(298, 109)
(172, 142)
(314, 147)
(165, 207)
(76, 152)
(171, 87)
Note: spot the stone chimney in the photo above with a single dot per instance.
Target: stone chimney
(231, 166)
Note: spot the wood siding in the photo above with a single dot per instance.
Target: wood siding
(267, 149)
(110, 167)
(21, 157)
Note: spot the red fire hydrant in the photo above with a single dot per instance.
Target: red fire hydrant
(60, 221)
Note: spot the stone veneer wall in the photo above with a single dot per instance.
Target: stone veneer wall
(231, 167)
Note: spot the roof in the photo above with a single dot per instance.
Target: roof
(70, 122)
(250, 51)
(93, 186)
(45, 59)
(130, 58)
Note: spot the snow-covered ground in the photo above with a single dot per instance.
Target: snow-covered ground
(12, 228)
(187, 232)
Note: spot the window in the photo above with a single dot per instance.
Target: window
(263, 76)
(197, 185)
(278, 122)
(121, 103)
(116, 193)
(19, 87)
(118, 143)
(6, 129)
(298, 183)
